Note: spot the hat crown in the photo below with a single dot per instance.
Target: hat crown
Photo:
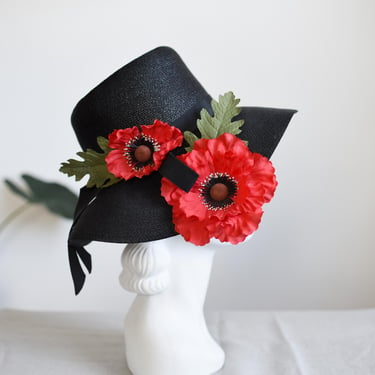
(157, 85)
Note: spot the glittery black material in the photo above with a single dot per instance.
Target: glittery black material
(157, 85)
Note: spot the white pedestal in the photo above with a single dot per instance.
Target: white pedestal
(165, 329)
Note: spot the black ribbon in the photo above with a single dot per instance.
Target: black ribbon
(77, 251)
(178, 172)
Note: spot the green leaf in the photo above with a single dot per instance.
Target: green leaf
(190, 138)
(206, 125)
(224, 110)
(103, 144)
(17, 190)
(56, 197)
(234, 127)
(93, 164)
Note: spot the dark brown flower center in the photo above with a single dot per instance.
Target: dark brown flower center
(219, 192)
(142, 153)
(139, 151)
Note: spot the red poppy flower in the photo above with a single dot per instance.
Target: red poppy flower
(226, 200)
(138, 151)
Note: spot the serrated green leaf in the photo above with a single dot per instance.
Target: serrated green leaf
(221, 122)
(55, 197)
(17, 190)
(93, 164)
(206, 125)
(103, 144)
(190, 138)
(233, 127)
(211, 127)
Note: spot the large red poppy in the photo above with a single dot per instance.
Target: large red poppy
(226, 200)
(138, 151)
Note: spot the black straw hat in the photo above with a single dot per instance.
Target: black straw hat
(157, 85)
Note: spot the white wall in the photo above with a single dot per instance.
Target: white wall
(315, 247)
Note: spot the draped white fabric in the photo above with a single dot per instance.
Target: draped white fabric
(255, 342)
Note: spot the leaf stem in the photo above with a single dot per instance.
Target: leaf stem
(13, 215)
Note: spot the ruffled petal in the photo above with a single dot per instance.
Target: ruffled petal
(168, 137)
(190, 204)
(236, 229)
(227, 157)
(118, 166)
(263, 173)
(160, 138)
(192, 230)
(120, 137)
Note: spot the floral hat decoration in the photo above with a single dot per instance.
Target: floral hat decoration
(163, 158)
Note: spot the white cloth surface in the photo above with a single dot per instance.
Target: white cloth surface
(255, 342)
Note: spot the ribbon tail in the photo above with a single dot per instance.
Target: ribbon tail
(85, 257)
(76, 253)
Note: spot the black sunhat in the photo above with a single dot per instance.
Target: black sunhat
(157, 85)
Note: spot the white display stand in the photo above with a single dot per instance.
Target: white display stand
(165, 329)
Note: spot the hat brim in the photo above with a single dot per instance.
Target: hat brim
(134, 211)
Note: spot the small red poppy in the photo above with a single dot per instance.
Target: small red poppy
(226, 200)
(138, 151)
